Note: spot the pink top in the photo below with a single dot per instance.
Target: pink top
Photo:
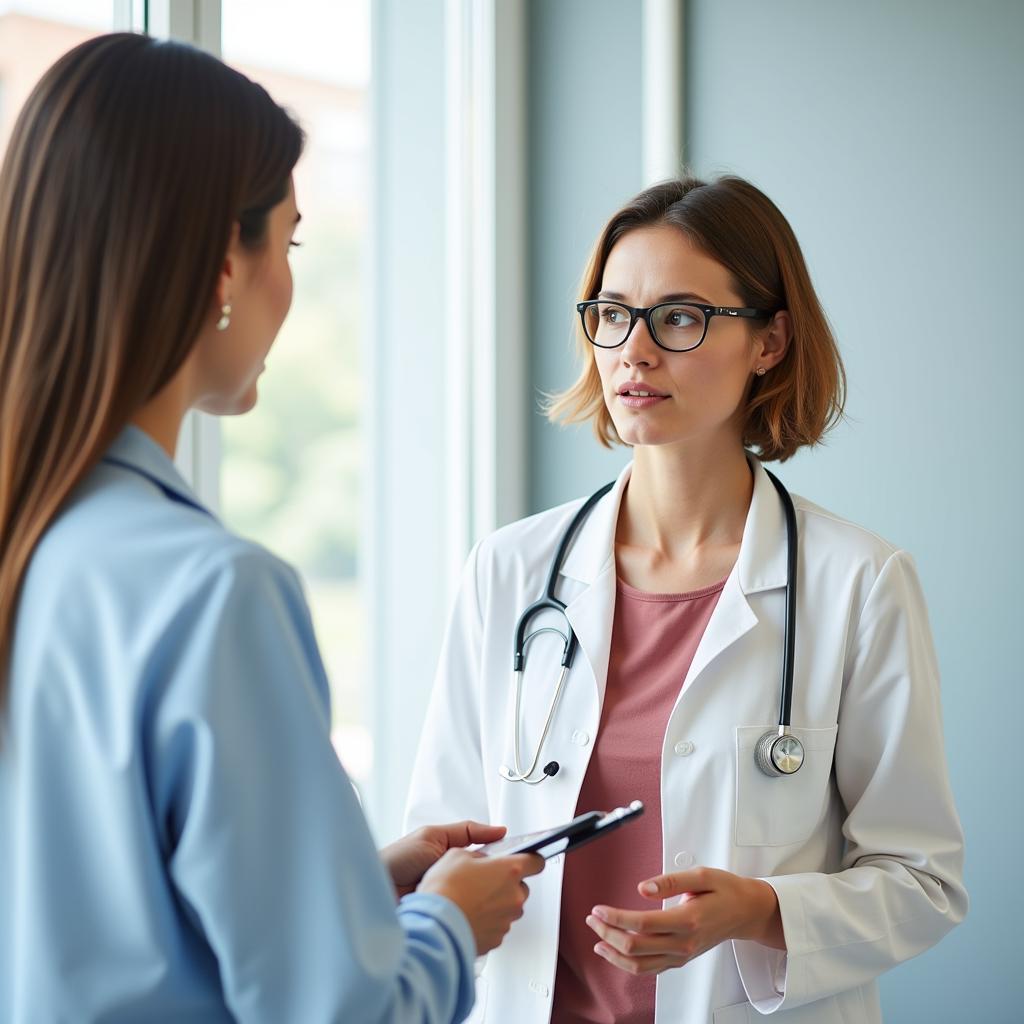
(654, 639)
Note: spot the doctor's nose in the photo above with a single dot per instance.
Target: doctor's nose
(639, 348)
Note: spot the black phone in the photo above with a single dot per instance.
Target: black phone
(583, 829)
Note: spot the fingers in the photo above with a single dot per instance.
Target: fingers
(526, 863)
(643, 921)
(662, 887)
(637, 944)
(639, 965)
(524, 895)
(466, 833)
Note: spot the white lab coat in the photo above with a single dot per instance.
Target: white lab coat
(863, 845)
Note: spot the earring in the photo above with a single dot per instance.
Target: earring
(760, 371)
(225, 317)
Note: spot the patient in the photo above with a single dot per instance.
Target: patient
(177, 837)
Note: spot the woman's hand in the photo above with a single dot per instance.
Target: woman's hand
(409, 858)
(490, 891)
(715, 906)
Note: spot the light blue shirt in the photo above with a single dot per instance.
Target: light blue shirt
(177, 837)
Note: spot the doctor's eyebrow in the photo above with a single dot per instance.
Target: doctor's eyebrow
(674, 297)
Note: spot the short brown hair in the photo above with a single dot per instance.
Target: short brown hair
(129, 166)
(739, 226)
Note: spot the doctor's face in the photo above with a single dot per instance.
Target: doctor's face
(697, 394)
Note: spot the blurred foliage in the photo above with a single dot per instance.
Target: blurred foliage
(291, 469)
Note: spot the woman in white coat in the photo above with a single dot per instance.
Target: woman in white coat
(705, 349)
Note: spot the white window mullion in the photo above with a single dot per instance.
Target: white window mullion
(663, 90)
(188, 21)
(449, 83)
(488, 397)
(502, 415)
(460, 286)
(129, 15)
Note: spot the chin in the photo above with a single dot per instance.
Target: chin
(641, 434)
(247, 402)
(236, 405)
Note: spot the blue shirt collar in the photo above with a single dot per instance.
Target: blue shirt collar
(134, 449)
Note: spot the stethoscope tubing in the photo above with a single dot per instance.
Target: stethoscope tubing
(549, 600)
(789, 634)
(765, 754)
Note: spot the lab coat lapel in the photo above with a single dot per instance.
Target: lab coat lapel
(731, 619)
(761, 565)
(591, 616)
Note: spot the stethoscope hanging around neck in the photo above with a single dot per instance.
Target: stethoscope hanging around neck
(569, 646)
(778, 752)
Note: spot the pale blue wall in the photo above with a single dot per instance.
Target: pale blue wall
(585, 158)
(890, 135)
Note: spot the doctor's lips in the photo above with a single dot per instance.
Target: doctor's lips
(634, 394)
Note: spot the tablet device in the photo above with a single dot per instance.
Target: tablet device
(583, 829)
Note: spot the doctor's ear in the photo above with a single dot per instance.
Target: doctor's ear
(773, 342)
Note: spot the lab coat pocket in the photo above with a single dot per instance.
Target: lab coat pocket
(783, 810)
(738, 1013)
(826, 1011)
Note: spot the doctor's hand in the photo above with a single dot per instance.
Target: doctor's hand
(490, 891)
(714, 906)
(407, 859)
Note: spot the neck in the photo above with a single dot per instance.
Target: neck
(681, 499)
(161, 417)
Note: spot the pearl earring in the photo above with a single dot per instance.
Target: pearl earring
(760, 371)
(225, 317)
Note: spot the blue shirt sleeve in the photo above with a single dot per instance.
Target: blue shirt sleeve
(263, 836)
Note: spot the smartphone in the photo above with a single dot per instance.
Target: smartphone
(583, 829)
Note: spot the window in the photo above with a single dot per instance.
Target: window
(292, 470)
(33, 34)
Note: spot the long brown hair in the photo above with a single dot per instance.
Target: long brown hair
(739, 226)
(129, 166)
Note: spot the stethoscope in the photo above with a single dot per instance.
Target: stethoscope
(778, 752)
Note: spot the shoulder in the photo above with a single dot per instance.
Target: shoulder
(840, 557)
(120, 537)
(828, 535)
(536, 528)
(516, 558)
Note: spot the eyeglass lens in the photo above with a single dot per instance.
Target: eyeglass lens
(675, 326)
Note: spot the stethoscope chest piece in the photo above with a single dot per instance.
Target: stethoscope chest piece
(779, 753)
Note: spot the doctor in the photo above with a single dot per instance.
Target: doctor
(177, 838)
(787, 856)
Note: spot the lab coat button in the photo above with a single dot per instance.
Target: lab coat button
(580, 738)
(541, 990)
(684, 748)
(684, 859)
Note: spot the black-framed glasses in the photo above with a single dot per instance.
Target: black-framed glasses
(674, 326)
